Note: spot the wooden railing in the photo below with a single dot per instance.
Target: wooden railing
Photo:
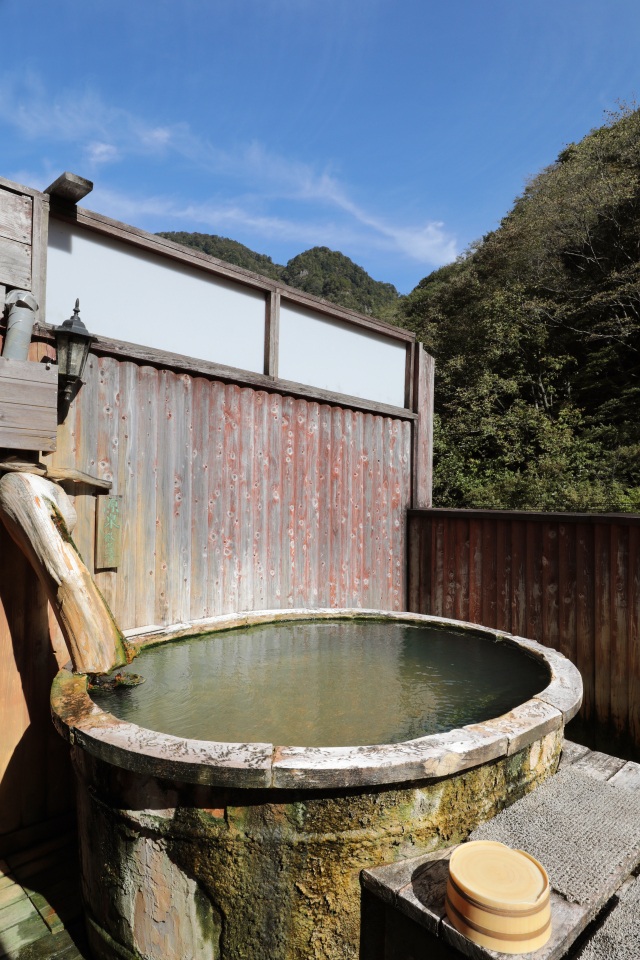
(570, 581)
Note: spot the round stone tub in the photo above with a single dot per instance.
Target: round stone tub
(201, 849)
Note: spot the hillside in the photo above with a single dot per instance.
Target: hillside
(320, 271)
(536, 334)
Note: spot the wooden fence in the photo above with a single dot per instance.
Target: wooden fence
(570, 581)
(233, 498)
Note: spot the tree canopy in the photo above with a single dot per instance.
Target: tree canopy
(536, 334)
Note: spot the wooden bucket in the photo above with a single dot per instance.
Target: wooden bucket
(498, 897)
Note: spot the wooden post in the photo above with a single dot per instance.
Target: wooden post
(39, 238)
(272, 334)
(423, 429)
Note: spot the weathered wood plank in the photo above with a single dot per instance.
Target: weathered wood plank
(475, 571)
(28, 405)
(533, 627)
(272, 333)
(599, 765)
(127, 485)
(549, 598)
(437, 550)
(98, 449)
(602, 619)
(324, 526)
(567, 591)
(230, 477)
(489, 574)
(356, 546)
(140, 565)
(246, 465)
(571, 752)
(181, 587)
(199, 498)
(337, 438)
(449, 569)
(619, 642)
(633, 638)
(518, 577)
(16, 216)
(164, 499)
(21, 934)
(15, 263)
(216, 505)
(10, 893)
(39, 238)
(585, 617)
(503, 575)
(260, 518)
(627, 777)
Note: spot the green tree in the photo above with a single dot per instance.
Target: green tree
(536, 333)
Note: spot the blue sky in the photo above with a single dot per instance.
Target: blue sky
(396, 131)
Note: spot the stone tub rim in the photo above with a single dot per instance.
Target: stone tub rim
(266, 766)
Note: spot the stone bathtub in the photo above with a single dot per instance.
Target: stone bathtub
(191, 848)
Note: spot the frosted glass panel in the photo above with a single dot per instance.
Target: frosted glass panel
(333, 355)
(141, 297)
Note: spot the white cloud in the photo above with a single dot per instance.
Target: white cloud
(107, 134)
(98, 152)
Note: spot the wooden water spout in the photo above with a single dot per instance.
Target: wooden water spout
(39, 517)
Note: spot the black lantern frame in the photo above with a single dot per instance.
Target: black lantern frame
(72, 343)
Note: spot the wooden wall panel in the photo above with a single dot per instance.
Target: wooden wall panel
(235, 498)
(35, 780)
(568, 581)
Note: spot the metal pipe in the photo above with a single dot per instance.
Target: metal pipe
(21, 315)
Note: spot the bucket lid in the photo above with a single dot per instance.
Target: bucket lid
(496, 876)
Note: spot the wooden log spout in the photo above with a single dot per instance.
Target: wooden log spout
(39, 517)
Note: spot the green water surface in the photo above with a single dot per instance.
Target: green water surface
(324, 683)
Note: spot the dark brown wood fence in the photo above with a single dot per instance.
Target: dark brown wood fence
(570, 581)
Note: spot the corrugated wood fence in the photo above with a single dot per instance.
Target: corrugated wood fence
(570, 581)
(236, 498)
(233, 498)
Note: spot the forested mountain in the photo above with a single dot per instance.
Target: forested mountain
(536, 334)
(332, 276)
(321, 271)
(228, 250)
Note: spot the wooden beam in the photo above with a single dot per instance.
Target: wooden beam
(39, 239)
(70, 187)
(409, 379)
(632, 519)
(423, 428)
(272, 334)
(72, 475)
(104, 346)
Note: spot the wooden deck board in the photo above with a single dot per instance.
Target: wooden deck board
(40, 905)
